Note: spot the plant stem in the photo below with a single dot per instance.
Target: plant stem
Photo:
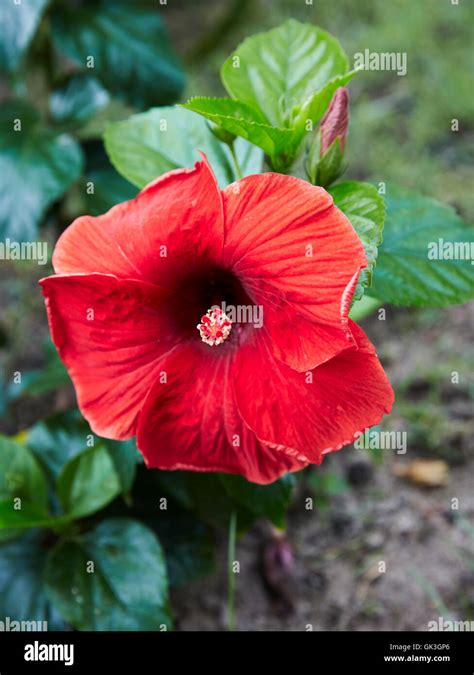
(236, 162)
(230, 572)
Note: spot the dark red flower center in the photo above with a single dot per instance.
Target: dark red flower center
(200, 301)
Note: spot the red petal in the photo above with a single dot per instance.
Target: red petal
(110, 333)
(272, 223)
(191, 421)
(181, 211)
(310, 418)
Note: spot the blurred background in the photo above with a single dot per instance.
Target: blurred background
(369, 507)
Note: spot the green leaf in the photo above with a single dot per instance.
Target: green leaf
(20, 477)
(93, 130)
(37, 166)
(405, 273)
(221, 134)
(61, 437)
(128, 589)
(19, 22)
(30, 515)
(109, 189)
(283, 80)
(277, 71)
(265, 501)
(125, 457)
(77, 100)
(149, 144)
(241, 120)
(364, 207)
(38, 382)
(22, 591)
(87, 482)
(57, 439)
(187, 543)
(20, 474)
(103, 187)
(132, 55)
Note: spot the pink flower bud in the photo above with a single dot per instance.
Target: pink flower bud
(335, 122)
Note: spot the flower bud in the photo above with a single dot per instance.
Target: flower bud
(324, 162)
(335, 121)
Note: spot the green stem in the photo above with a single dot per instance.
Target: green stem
(230, 572)
(236, 162)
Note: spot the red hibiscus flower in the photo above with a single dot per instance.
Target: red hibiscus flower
(135, 312)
